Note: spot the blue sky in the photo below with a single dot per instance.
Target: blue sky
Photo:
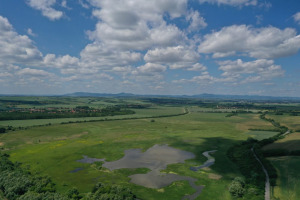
(247, 47)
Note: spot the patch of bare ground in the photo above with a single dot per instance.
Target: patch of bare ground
(1, 144)
(214, 176)
(206, 168)
(72, 136)
(78, 135)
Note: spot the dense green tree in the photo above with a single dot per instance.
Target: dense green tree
(110, 192)
(237, 187)
(2, 130)
(74, 194)
(42, 196)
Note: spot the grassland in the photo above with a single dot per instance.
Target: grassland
(260, 135)
(289, 178)
(53, 150)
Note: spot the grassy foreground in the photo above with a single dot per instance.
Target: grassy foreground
(53, 150)
(289, 178)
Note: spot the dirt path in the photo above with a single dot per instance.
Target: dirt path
(286, 133)
(267, 187)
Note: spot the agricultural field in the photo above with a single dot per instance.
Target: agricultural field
(289, 177)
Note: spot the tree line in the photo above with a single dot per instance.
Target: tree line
(109, 111)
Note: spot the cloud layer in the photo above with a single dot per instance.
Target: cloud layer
(142, 45)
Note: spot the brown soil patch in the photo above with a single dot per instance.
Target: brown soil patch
(245, 126)
(206, 168)
(1, 144)
(72, 136)
(214, 176)
(78, 135)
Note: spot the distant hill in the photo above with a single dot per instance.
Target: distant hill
(200, 96)
(87, 94)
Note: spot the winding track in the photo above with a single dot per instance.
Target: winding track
(267, 187)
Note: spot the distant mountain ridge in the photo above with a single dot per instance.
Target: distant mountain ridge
(88, 94)
(202, 96)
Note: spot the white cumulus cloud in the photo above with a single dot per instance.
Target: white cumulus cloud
(268, 42)
(197, 67)
(15, 48)
(197, 22)
(137, 24)
(231, 2)
(149, 69)
(175, 57)
(46, 7)
(252, 71)
(297, 17)
(97, 55)
(34, 72)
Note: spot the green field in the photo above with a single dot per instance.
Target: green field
(53, 150)
(289, 178)
(154, 111)
(260, 135)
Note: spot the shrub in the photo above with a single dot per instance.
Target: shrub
(237, 187)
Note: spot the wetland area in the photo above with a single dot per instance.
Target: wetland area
(156, 159)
